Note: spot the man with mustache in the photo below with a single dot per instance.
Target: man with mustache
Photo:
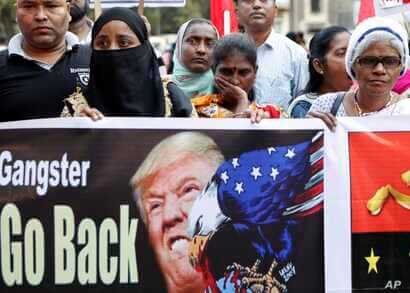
(165, 186)
(282, 64)
(43, 64)
(80, 23)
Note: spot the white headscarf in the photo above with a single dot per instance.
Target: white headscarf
(376, 29)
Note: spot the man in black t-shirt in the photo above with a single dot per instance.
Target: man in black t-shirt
(43, 64)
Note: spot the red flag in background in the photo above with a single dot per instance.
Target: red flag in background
(223, 16)
(366, 10)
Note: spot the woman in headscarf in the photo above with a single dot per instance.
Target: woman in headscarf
(192, 57)
(124, 74)
(376, 56)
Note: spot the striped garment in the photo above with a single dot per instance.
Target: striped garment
(282, 71)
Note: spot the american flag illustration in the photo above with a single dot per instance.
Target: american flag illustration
(262, 191)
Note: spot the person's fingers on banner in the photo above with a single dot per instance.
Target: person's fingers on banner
(92, 113)
(258, 114)
(327, 118)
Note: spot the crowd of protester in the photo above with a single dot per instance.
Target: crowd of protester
(63, 64)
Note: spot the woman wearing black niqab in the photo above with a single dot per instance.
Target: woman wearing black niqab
(125, 81)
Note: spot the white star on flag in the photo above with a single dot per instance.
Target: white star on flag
(235, 163)
(239, 187)
(291, 153)
(256, 172)
(271, 150)
(224, 177)
(274, 173)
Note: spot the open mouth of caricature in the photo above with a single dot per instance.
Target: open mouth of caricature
(179, 245)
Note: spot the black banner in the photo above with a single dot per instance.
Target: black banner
(70, 221)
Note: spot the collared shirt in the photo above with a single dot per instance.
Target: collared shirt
(282, 71)
(16, 48)
(88, 38)
(30, 89)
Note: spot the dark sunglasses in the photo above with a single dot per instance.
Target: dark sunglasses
(370, 62)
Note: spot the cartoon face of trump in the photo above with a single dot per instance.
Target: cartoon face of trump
(165, 187)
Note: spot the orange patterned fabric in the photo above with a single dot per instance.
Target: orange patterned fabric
(210, 106)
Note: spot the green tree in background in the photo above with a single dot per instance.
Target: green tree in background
(7, 19)
(163, 20)
(167, 20)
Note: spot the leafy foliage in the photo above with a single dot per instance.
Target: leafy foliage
(7, 19)
(163, 20)
(167, 20)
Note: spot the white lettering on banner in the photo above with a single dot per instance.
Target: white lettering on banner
(65, 248)
(287, 271)
(393, 284)
(42, 174)
(76, 249)
(390, 3)
(12, 250)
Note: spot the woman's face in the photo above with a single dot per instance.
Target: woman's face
(197, 46)
(237, 70)
(115, 35)
(378, 68)
(334, 69)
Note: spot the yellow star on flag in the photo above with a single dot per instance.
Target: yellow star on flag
(372, 260)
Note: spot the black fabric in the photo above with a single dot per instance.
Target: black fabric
(28, 91)
(125, 82)
(336, 104)
(181, 105)
(126, 15)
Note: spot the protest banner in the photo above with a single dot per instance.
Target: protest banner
(103, 207)
(367, 207)
(397, 9)
(134, 3)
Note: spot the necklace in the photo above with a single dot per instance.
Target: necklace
(359, 110)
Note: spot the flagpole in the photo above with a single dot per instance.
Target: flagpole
(141, 7)
(405, 23)
(97, 9)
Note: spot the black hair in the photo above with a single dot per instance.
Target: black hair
(292, 36)
(233, 44)
(319, 46)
